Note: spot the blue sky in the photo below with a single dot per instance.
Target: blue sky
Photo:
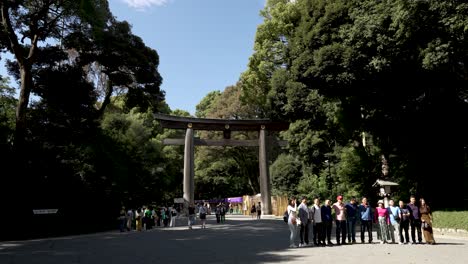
(204, 45)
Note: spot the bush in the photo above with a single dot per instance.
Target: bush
(451, 219)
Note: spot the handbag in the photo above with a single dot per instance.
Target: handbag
(425, 225)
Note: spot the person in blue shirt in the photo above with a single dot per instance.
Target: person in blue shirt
(365, 212)
(395, 215)
(327, 222)
(351, 210)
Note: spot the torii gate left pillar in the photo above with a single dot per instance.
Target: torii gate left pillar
(189, 175)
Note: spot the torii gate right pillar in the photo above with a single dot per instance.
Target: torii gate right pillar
(264, 173)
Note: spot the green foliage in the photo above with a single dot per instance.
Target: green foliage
(7, 113)
(393, 70)
(206, 104)
(451, 219)
(285, 174)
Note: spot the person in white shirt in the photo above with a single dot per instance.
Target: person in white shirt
(317, 223)
(173, 217)
(129, 219)
(292, 209)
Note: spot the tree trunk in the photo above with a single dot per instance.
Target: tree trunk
(109, 91)
(21, 109)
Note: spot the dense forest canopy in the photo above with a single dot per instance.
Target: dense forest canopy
(361, 83)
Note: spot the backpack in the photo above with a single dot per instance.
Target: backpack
(285, 216)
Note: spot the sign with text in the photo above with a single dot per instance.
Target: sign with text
(178, 200)
(45, 211)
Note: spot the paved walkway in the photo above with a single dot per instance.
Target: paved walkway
(239, 240)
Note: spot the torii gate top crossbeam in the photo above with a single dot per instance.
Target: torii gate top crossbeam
(176, 122)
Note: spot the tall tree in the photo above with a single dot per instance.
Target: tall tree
(38, 22)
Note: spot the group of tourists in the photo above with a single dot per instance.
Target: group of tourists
(146, 218)
(393, 221)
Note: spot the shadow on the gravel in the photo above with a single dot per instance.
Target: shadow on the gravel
(448, 243)
(235, 241)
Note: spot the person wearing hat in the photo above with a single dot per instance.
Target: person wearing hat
(340, 214)
(383, 218)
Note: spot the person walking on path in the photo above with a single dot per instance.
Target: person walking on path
(259, 210)
(253, 211)
(223, 212)
(340, 215)
(317, 223)
(130, 218)
(304, 223)
(365, 213)
(122, 219)
(404, 223)
(382, 216)
(191, 215)
(415, 220)
(218, 213)
(138, 219)
(203, 211)
(351, 217)
(292, 224)
(327, 222)
(173, 217)
(395, 217)
(426, 218)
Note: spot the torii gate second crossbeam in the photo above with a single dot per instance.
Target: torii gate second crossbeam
(190, 124)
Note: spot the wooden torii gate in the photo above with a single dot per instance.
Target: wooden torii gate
(191, 124)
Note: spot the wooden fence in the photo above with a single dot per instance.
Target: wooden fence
(279, 204)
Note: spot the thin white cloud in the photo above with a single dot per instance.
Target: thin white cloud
(142, 4)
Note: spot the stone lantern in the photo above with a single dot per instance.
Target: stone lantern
(385, 189)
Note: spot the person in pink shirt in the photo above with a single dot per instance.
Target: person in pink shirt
(383, 218)
(340, 213)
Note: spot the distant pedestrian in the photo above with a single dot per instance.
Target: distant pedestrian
(218, 213)
(259, 210)
(130, 218)
(173, 217)
(191, 215)
(253, 211)
(203, 211)
(122, 219)
(138, 219)
(223, 212)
